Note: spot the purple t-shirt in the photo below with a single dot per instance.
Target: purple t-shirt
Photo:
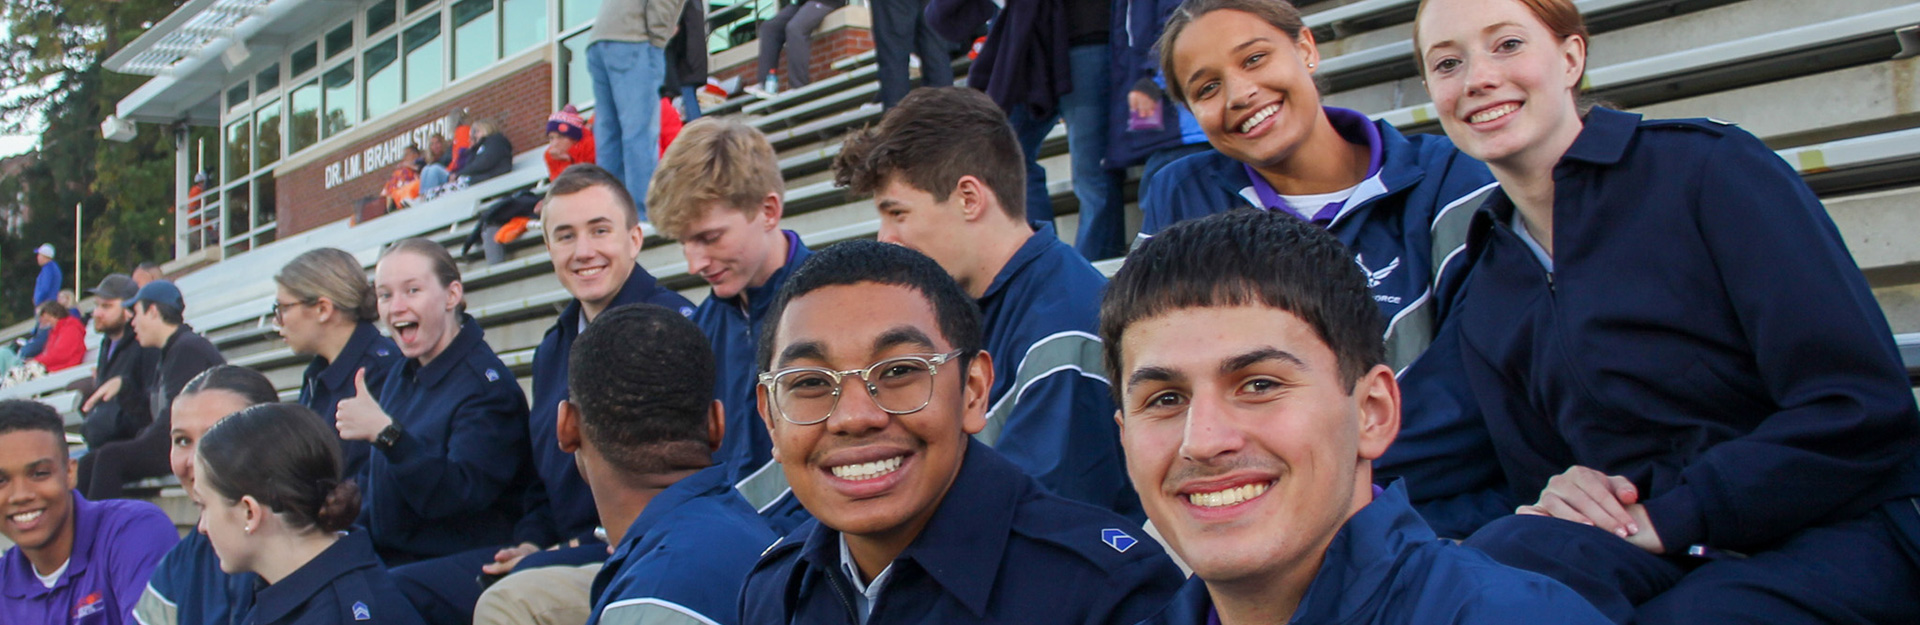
(1357, 129)
(116, 544)
(1213, 613)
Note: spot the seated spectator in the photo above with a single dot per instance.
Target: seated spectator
(436, 173)
(72, 560)
(272, 504)
(188, 587)
(404, 185)
(718, 191)
(1382, 194)
(71, 302)
(117, 409)
(325, 308)
(569, 141)
(449, 431)
(945, 173)
(1686, 374)
(592, 240)
(492, 154)
(147, 272)
(158, 323)
(66, 338)
(643, 426)
(915, 521)
(1255, 399)
(791, 30)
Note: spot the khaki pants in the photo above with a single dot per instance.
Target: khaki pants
(551, 595)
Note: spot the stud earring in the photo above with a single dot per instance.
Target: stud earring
(249, 530)
(1312, 65)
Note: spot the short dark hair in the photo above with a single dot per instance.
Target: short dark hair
(931, 139)
(1249, 257)
(169, 314)
(26, 415)
(582, 176)
(853, 262)
(287, 458)
(642, 376)
(52, 309)
(248, 384)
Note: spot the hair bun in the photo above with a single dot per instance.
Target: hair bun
(342, 505)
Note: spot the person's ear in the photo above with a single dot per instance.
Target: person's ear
(323, 309)
(767, 417)
(1575, 49)
(455, 292)
(1308, 49)
(256, 513)
(566, 426)
(716, 425)
(772, 207)
(1377, 395)
(73, 468)
(979, 382)
(973, 196)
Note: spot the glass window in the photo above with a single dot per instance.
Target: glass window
(579, 84)
(475, 44)
(305, 59)
(268, 79)
(526, 24)
(425, 59)
(264, 213)
(238, 216)
(237, 94)
(340, 40)
(380, 16)
(266, 134)
(382, 77)
(576, 12)
(415, 5)
(338, 113)
(239, 148)
(303, 118)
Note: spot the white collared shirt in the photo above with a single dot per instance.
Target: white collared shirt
(869, 593)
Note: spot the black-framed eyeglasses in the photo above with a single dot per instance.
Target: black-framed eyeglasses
(898, 385)
(280, 308)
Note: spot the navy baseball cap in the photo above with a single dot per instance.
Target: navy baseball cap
(160, 292)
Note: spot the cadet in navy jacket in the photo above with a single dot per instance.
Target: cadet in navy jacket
(734, 325)
(688, 552)
(451, 482)
(324, 384)
(344, 584)
(1701, 331)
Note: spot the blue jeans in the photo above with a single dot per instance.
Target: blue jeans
(689, 104)
(627, 122)
(1103, 220)
(433, 176)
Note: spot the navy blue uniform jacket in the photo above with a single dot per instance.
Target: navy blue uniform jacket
(685, 555)
(999, 549)
(452, 482)
(344, 584)
(734, 325)
(326, 383)
(1407, 227)
(188, 588)
(1704, 334)
(1051, 408)
(1385, 566)
(559, 506)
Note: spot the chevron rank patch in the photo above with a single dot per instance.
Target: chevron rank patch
(1117, 539)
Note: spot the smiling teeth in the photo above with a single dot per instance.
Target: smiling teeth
(27, 517)
(1493, 113)
(591, 272)
(1247, 126)
(867, 471)
(1228, 497)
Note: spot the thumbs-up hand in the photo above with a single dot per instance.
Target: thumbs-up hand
(359, 418)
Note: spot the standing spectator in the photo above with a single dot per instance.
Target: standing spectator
(790, 29)
(118, 408)
(66, 338)
(158, 323)
(325, 308)
(1156, 130)
(569, 141)
(687, 62)
(627, 61)
(47, 285)
(1044, 61)
(72, 561)
(900, 30)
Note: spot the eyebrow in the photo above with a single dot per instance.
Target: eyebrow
(1243, 45)
(902, 335)
(1153, 374)
(811, 350)
(1490, 28)
(1264, 354)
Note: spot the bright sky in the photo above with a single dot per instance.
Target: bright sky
(16, 144)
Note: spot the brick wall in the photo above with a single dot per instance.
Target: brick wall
(518, 103)
(827, 48)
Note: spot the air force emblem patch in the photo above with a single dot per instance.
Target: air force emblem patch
(493, 376)
(1117, 539)
(360, 612)
(1374, 278)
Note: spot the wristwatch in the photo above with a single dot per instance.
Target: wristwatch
(388, 436)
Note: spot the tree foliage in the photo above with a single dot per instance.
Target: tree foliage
(53, 82)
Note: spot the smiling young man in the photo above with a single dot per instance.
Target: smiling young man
(1254, 400)
(875, 384)
(718, 191)
(946, 175)
(593, 239)
(72, 560)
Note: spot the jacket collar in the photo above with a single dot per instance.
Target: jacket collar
(1036, 245)
(1604, 137)
(338, 375)
(639, 285)
(760, 298)
(1399, 170)
(178, 331)
(706, 482)
(470, 336)
(19, 580)
(963, 545)
(350, 553)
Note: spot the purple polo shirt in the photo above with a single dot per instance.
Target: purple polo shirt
(1357, 129)
(116, 544)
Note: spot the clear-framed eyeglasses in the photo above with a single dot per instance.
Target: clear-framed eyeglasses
(898, 385)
